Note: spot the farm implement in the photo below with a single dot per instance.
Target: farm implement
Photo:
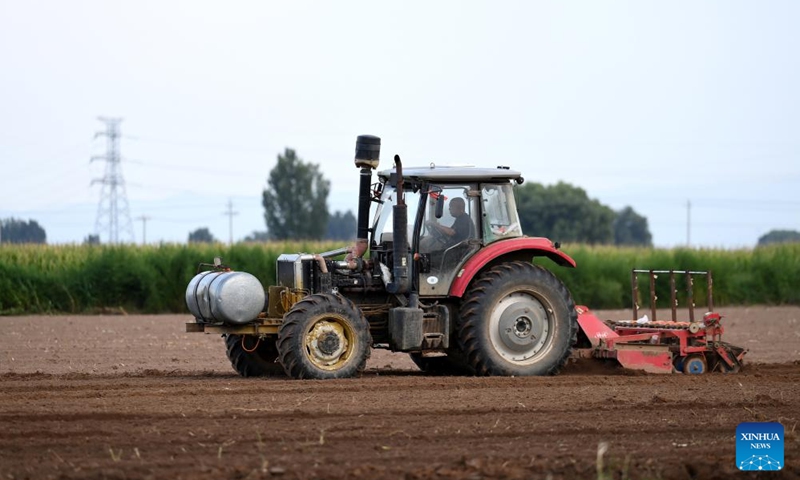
(692, 347)
(461, 290)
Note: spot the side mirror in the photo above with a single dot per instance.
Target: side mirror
(439, 206)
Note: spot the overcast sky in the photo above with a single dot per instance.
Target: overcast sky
(645, 104)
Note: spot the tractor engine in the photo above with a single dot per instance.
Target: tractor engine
(314, 273)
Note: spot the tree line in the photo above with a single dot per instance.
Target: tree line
(295, 208)
(15, 230)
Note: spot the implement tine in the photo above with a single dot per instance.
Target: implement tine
(709, 294)
(673, 296)
(690, 293)
(653, 296)
(635, 294)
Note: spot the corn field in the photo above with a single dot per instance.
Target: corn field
(153, 279)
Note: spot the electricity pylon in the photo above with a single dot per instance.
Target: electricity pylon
(113, 200)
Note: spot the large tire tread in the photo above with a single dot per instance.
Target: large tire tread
(260, 363)
(477, 305)
(295, 324)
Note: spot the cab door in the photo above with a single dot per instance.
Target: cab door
(446, 249)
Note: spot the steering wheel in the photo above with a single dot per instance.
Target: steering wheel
(438, 235)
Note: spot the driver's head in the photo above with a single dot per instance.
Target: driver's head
(457, 206)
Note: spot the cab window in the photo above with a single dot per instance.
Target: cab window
(499, 213)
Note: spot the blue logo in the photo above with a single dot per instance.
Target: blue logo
(759, 446)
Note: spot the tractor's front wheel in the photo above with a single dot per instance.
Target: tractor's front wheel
(324, 336)
(251, 356)
(517, 319)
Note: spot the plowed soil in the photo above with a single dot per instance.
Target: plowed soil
(135, 397)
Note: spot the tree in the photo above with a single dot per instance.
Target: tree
(564, 213)
(779, 236)
(630, 228)
(342, 226)
(295, 200)
(201, 235)
(13, 230)
(257, 236)
(92, 239)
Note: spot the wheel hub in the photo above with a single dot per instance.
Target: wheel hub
(523, 327)
(520, 326)
(326, 343)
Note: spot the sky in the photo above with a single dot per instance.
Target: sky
(687, 111)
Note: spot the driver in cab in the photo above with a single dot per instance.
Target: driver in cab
(459, 230)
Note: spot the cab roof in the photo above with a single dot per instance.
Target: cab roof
(448, 174)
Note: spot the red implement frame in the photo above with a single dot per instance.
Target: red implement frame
(663, 346)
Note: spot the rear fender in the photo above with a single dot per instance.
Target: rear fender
(522, 248)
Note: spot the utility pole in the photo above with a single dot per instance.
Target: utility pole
(144, 219)
(230, 213)
(688, 223)
(113, 200)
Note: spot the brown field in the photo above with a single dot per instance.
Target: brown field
(135, 397)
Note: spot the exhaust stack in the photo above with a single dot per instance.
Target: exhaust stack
(399, 283)
(368, 152)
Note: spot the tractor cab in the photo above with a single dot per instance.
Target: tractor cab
(452, 213)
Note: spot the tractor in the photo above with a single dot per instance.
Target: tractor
(456, 288)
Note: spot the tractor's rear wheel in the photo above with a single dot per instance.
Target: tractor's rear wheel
(454, 363)
(324, 336)
(253, 357)
(517, 319)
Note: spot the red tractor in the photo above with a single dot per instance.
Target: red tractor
(455, 289)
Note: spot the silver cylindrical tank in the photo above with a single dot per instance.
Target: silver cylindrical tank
(230, 297)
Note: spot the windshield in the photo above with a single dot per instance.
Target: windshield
(383, 224)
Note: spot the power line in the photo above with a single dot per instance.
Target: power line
(707, 202)
(200, 145)
(113, 200)
(195, 169)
